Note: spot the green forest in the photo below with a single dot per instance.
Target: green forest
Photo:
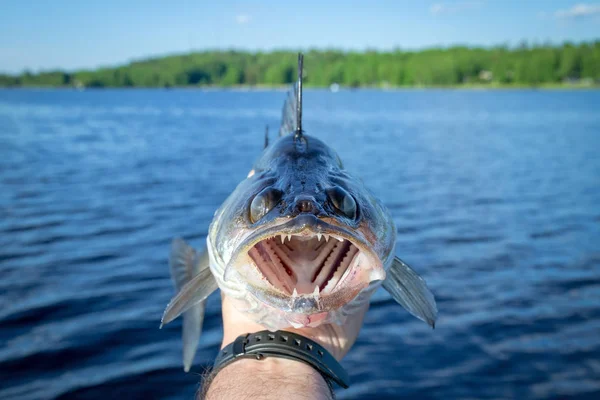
(567, 64)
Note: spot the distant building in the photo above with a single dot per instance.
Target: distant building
(77, 84)
(485, 75)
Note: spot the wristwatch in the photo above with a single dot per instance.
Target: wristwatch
(283, 344)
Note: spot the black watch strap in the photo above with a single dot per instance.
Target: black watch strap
(284, 345)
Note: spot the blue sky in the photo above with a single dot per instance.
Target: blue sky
(71, 34)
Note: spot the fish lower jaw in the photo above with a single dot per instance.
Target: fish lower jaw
(309, 265)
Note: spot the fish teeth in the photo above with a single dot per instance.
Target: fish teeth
(289, 236)
(319, 237)
(326, 237)
(339, 239)
(282, 237)
(316, 293)
(295, 293)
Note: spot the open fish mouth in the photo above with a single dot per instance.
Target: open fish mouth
(306, 265)
(300, 264)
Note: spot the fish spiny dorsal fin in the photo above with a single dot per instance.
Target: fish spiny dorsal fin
(291, 118)
(298, 132)
(266, 136)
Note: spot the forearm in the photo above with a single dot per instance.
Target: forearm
(270, 378)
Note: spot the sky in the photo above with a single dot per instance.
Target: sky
(76, 34)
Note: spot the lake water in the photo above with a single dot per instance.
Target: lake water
(496, 196)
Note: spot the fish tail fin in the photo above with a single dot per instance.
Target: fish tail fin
(188, 266)
(411, 292)
(291, 118)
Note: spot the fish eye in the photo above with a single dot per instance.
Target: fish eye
(264, 202)
(342, 201)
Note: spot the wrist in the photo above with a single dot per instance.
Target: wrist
(268, 378)
(284, 344)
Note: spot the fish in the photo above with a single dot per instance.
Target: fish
(300, 242)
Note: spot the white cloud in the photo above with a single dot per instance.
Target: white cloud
(436, 8)
(579, 11)
(242, 19)
(451, 8)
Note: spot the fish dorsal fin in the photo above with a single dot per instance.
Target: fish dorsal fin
(266, 136)
(291, 118)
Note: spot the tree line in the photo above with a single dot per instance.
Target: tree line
(501, 66)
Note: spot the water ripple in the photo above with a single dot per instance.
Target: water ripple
(494, 194)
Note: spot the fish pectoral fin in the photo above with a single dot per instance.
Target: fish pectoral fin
(411, 291)
(192, 327)
(192, 277)
(194, 282)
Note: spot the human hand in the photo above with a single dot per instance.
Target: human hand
(337, 339)
(272, 377)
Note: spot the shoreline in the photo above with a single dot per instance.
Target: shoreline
(259, 88)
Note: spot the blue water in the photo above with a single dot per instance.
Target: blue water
(496, 196)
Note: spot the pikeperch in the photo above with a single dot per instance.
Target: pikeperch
(299, 242)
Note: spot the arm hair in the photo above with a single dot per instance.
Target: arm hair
(270, 378)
